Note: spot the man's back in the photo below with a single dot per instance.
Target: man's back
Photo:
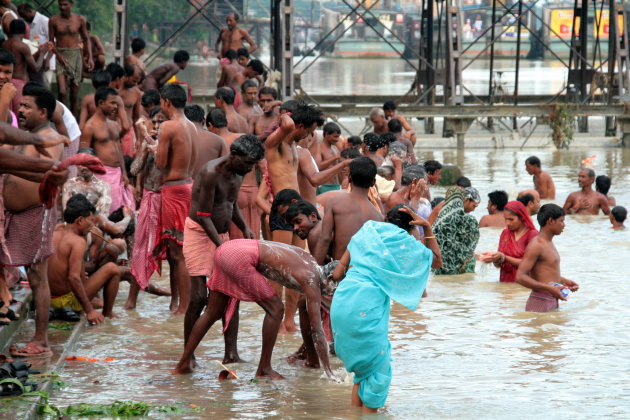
(236, 122)
(66, 245)
(176, 139)
(209, 147)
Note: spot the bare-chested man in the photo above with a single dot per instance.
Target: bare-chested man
(348, 211)
(253, 70)
(88, 106)
(69, 284)
(25, 62)
(229, 67)
(29, 225)
(131, 96)
(389, 108)
(328, 155)
(247, 194)
(496, 202)
(213, 208)
(531, 200)
(379, 122)
(224, 99)
(249, 107)
(232, 37)
(176, 157)
(137, 51)
(98, 51)
(67, 31)
(540, 268)
(542, 180)
(268, 100)
(209, 146)
(586, 201)
(160, 75)
(282, 161)
(241, 272)
(102, 132)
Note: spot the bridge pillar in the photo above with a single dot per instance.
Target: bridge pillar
(120, 31)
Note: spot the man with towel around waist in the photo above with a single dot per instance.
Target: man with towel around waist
(176, 156)
(214, 206)
(103, 132)
(29, 225)
(67, 31)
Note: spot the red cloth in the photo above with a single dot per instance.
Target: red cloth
(19, 86)
(508, 244)
(29, 235)
(176, 201)
(128, 143)
(235, 274)
(247, 204)
(144, 238)
(48, 191)
(541, 302)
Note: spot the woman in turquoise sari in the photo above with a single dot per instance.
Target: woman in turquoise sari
(383, 262)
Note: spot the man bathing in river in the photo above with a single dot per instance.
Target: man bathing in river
(542, 180)
(586, 201)
(241, 269)
(540, 268)
(214, 206)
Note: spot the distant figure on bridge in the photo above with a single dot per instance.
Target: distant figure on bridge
(231, 38)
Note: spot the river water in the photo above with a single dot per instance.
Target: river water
(468, 351)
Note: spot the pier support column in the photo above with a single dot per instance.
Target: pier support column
(120, 31)
(624, 123)
(459, 126)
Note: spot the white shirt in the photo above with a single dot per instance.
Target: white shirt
(39, 33)
(74, 132)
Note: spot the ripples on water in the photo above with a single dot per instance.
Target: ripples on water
(468, 351)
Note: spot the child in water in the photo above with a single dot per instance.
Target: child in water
(617, 216)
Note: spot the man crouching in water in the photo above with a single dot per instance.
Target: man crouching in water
(540, 268)
(240, 268)
(69, 284)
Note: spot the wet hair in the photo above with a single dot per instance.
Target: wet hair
(115, 71)
(249, 83)
(533, 160)
(25, 7)
(6, 57)
(44, 99)
(350, 153)
(389, 138)
(300, 207)
(549, 211)
(102, 93)
(231, 55)
(150, 97)
(463, 182)
(268, 90)
(385, 171)
(118, 215)
(257, 66)
(436, 201)
(619, 213)
(154, 111)
(307, 115)
(77, 206)
(589, 172)
(602, 184)
(396, 148)
(362, 172)
(377, 111)
(181, 56)
(248, 145)
(411, 173)
(290, 105)
(284, 198)
(137, 45)
(431, 166)
(174, 93)
(331, 128)
(499, 199)
(399, 218)
(389, 106)
(101, 78)
(236, 16)
(130, 69)
(373, 142)
(471, 193)
(225, 93)
(127, 160)
(17, 27)
(217, 118)
(194, 113)
(355, 141)
(242, 52)
(525, 199)
(87, 151)
(394, 126)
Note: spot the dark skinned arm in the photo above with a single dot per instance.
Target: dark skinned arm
(75, 278)
(252, 45)
(313, 307)
(206, 195)
(239, 221)
(87, 45)
(328, 229)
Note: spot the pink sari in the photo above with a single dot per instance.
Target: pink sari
(511, 247)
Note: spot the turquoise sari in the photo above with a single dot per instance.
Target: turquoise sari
(387, 263)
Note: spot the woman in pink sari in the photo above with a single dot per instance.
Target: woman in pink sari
(514, 239)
